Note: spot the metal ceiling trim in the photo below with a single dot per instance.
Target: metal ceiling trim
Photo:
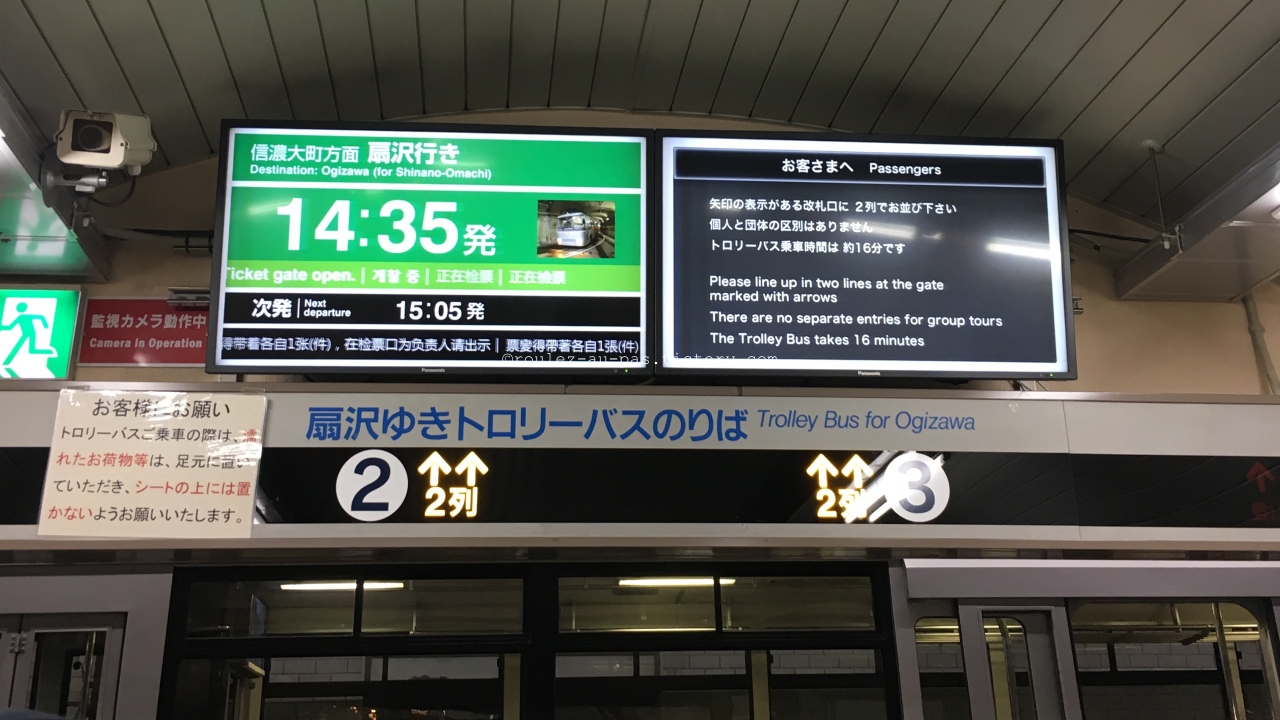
(1198, 226)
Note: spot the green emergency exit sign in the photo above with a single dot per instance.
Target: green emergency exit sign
(37, 332)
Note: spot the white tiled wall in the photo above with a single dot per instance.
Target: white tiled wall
(317, 669)
(822, 662)
(712, 662)
(620, 665)
(1165, 656)
(1092, 657)
(461, 667)
(940, 657)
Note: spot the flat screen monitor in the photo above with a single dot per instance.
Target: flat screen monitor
(416, 248)
(821, 255)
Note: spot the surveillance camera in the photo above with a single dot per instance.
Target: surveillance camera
(105, 140)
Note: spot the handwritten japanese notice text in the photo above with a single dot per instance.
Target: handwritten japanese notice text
(153, 464)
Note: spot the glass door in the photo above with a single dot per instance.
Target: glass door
(1018, 662)
(1179, 659)
(65, 665)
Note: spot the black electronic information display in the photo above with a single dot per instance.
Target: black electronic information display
(864, 258)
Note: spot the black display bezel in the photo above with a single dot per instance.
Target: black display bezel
(523, 371)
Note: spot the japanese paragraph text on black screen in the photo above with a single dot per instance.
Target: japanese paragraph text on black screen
(863, 258)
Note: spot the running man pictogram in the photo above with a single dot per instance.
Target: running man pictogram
(26, 322)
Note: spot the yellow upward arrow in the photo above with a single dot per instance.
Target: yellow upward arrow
(822, 467)
(470, 464)
(859, 469)
(435, 465)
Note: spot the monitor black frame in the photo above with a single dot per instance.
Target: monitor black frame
(523, 372)
(757, 377)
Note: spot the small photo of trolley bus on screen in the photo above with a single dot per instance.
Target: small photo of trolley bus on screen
(575, 228)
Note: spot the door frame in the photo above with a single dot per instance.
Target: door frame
(11, 643)
(112, 624)
(1059, 652)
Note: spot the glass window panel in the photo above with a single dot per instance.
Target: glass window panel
(322, 670)
(442, 607)
(827, 703)
(1010, 669)
(577, 665)
(258, 608)
(796, 603)
(944, 689)
(1168, 657)
(344, 688)
(684, 663)
(457, 667)
(844, 661)
(67, 676)
(679, 685)
(653, 604)
(827, 684)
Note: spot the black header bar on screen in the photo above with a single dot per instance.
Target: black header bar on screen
(696, 163)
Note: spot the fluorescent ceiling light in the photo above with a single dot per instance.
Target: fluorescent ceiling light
(672, 582)
(338, 586)
(1027, 250)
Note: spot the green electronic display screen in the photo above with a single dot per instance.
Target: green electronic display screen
(37, 332)
(419, 248)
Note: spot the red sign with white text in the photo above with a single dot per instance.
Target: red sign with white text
(143, 331)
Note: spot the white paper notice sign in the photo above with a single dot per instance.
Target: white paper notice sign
(153, 464)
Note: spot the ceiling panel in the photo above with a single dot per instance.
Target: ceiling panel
(533, 49)
(1146, 74)
(758, 41)
(76, 39)
(28, 66)
(488, 53)
(713, 39)
(1230, 54)
(807, 35)
(947, 47)
(344, 25)
(1232, 113)
(246, 41)
(613, 85)
(1101, 60)
(851, 41)
(443, 53)
(1259, 138)
(135, 38)
(1061, 37)
(1004, 39)
(192, 39)
(668, 28)
(393, 27)
(295, 31)
(577, 43)
(904, 35)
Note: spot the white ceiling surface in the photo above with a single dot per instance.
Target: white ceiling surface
(1199, 76)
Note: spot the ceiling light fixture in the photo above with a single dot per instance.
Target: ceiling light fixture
(672, 582)
(341, 586)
